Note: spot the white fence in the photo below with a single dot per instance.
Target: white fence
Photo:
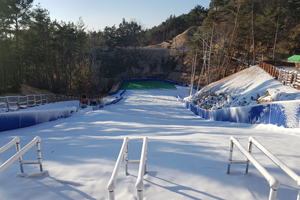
(142, 169)
(12, 103)
(3, 104)
(16, 141)
(274, 184)
(275, 160)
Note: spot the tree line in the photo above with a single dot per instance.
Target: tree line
(241, 32)
(65, 57)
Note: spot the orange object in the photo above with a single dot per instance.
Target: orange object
(84, 101)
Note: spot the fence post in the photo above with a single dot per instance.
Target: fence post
(126, 159)
(7, 104)
(250, 151)
(39, 154)
(146, 154)
(18, 147)
(230, 156)
(18, 102)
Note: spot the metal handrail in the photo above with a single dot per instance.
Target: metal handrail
(35, 142)
(275, 160)
(10, 144)
(142, 170)
(273, 182)
(112, 182)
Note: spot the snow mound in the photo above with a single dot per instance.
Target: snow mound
(35, 175)
(248, 87)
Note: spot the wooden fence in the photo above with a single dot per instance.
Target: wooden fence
(289, 78)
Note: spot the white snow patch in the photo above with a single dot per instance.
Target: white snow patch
(187, 156)
(242, 89)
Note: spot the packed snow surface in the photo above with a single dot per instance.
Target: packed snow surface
(187, 156)
(244, 88)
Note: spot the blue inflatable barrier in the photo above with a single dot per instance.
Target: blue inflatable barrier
(15, 120)
(98, 107)
(121, 94)
(267, 113)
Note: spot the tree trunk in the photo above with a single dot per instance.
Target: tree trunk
(210, 49)
(253, 38)
(275, 40)
(193, 74)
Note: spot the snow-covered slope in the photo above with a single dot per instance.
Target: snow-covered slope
(187, 156)
(244, 88)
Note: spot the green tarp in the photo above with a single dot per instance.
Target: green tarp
(294, 58)
(146, 85)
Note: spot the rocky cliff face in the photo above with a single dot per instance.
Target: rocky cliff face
(120, 64)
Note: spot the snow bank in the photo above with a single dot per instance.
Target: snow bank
(249, 96)
(245, 88)
(14, 120)
(286, 114)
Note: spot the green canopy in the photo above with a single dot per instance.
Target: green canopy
(294, 58)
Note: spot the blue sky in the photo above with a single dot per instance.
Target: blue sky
(97, 14)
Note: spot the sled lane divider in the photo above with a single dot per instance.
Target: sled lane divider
(273, 182)
(16, 141)
(275, 160)
(142, 168)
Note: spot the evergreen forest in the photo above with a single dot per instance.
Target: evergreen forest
(67, 58)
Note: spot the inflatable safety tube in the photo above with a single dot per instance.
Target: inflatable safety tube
(98, 107)
(15, 120)
(148, 79)
(121, 94)
(286, 114)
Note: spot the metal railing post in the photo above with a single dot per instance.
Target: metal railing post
(230, 156)
(126, 159)
(112, 182)
(250, 151)
(140, 194)
(18, 102)
(272, 194)
(7, 104)
(273, 183)
(111, 195)
(139, 183)
(39, 154)
(18, 147)
(146, 155)
(19, 154)
(277, 162)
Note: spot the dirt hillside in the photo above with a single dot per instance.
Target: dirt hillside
(23, 89)
(181, 40)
